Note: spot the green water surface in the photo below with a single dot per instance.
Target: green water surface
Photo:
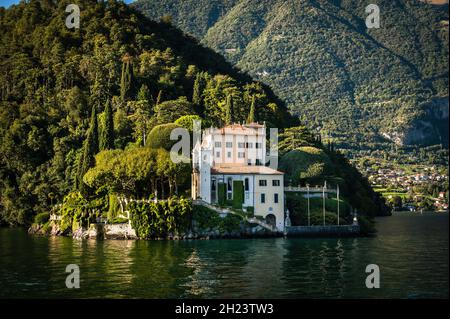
(410, 249)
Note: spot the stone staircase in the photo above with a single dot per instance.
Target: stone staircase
(227, 210)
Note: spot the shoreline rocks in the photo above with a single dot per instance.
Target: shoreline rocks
(48, 229)
(125, 231)
(106, 231)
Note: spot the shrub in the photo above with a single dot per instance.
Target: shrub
(298, 208)
(250, 211)
(75, 211)
(187, 121)
(205, 217)
(159, 136)
(230, 223)
(113, 207)
(317, 219)
(42, 218)
(238, 194)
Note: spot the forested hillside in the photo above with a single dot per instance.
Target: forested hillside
(87, 113)
(363, 88)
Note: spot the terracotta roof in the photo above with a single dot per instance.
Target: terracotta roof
(237, 129)
(245, 125)
(263, 170)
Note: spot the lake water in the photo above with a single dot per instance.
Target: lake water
(410, 249)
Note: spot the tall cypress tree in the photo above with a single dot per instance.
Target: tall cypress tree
(199, 85)
(90, 148)
(229, 116)
(94, 128)
(88, 161)
(196, 90)
(143, 93)
(251, 115)
(145, 99)
(126, 78)
(142, 114)
(107, 134)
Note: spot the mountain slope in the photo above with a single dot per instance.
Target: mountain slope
(361, 87)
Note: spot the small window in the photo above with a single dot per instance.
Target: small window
(275, 198)
(241, 145)
(218, 144)
(258, 145)
(276, 182)
(229, 144)
(263, 198)
(249, 145)
(241, 155)
(229, 154)
(246, 185)
(262, 182)
(217, 154)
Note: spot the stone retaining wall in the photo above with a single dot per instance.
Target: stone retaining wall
(106, 231)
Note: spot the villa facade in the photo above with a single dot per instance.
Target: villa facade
(229, 170)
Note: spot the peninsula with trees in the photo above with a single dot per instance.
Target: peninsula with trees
(86, 116)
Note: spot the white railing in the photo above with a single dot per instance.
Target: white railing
(311, 189)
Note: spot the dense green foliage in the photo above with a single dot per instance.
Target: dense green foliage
(317, 219)
(157, 219)
(107, 133)
(298, 209)
(75, 211)
(307, 165)
(159, 136)
(357, 86)
(209, 219)
(187, 122)
(90, 148)
(221, 193)
(205, 217)
(137, 172)
(307, 162)
(65, 93)
(113, 207)
(238, 194)
(42, 218)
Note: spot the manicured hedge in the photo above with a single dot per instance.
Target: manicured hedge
(222, 193)
(238, 194)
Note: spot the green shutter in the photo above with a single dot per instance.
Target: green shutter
(222, 193)
(238, 194)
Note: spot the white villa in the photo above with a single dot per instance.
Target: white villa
(229, 168)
